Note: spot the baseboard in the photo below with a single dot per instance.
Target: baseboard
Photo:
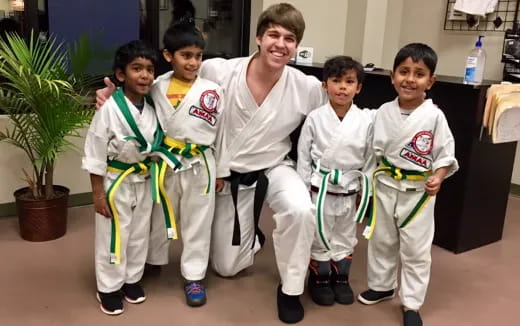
(515, 189)
(9, 209)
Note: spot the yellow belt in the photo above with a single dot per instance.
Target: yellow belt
(124, 170)
(397, 174)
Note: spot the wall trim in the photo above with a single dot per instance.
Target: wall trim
(515, 189)
(82, 199)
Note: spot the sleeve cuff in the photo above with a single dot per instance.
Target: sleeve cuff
(94, 166)
(451, 163)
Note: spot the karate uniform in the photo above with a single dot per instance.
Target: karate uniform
(422, 142)
(255, 138)
(327, 143)
(106, 141)
(191, 188)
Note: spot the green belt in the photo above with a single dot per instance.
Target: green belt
(124, 170)
(397, 174)
(334, 177)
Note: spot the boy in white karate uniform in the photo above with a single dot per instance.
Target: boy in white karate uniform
(415, 150)
(119, 134)
(334, 160)
(189, 110)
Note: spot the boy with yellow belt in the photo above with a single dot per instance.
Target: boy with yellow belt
(415, 150)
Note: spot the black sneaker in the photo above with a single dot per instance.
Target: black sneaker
(340, 286)
(134, 293)
(411, 318)
(373, 297)
(290, 309)
(110, 303)
(152, 270)
(319, 289)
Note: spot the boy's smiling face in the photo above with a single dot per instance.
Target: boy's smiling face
(137, 78)
(341, 90)
(185, 62)
(411, 79)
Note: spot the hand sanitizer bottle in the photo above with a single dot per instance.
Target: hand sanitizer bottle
(475, 64)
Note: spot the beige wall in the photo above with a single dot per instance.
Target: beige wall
(13, 160)
(256, 9)
(423, 21)
(4, 5)
(354, 32)
(325, 25)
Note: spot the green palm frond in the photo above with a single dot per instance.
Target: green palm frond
(43, 100)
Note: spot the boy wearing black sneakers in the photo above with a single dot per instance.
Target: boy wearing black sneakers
(334, 160)
(116, 150)
(415, 150)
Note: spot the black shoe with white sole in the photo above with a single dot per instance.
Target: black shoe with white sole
(373, 297)
(134, 293)
(110, 303)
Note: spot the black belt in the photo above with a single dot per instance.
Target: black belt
(248, 179)
(350, 193)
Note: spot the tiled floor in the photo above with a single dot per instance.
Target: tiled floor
(52, 283)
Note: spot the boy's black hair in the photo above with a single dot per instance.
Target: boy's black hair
(417, 51)
(131, 50)
(339, 65)
(182, 33)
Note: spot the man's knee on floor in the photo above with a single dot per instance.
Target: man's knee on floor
(225, 269)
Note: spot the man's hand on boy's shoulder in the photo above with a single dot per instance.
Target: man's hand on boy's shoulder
(104, 93)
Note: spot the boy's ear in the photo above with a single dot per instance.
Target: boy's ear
(120, 75)
(359, 86)
(432, 81)
(324, 85)
(167, 55)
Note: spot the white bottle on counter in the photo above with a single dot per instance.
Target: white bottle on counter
(475, 64)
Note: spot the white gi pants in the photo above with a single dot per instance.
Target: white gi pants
(193, 213)
(289, 198)
(411, 244)
(339, 226)
(134, 206)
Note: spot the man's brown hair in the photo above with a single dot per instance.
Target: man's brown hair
(282, 14)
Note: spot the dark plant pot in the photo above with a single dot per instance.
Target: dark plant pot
(42, 220)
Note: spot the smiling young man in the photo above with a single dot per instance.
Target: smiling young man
(265, 101)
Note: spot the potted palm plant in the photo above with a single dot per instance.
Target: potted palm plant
(47, 104)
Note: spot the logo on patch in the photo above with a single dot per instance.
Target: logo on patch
(202, 114)
(422, 142)
(209, 101)
(416, 159)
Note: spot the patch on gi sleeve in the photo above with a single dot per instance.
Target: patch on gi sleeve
(209, 101)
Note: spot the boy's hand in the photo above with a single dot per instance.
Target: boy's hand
(101, 206)
(219, 185)
(433, 185)
(104, 93)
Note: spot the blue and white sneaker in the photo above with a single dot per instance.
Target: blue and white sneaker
(195, 293)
